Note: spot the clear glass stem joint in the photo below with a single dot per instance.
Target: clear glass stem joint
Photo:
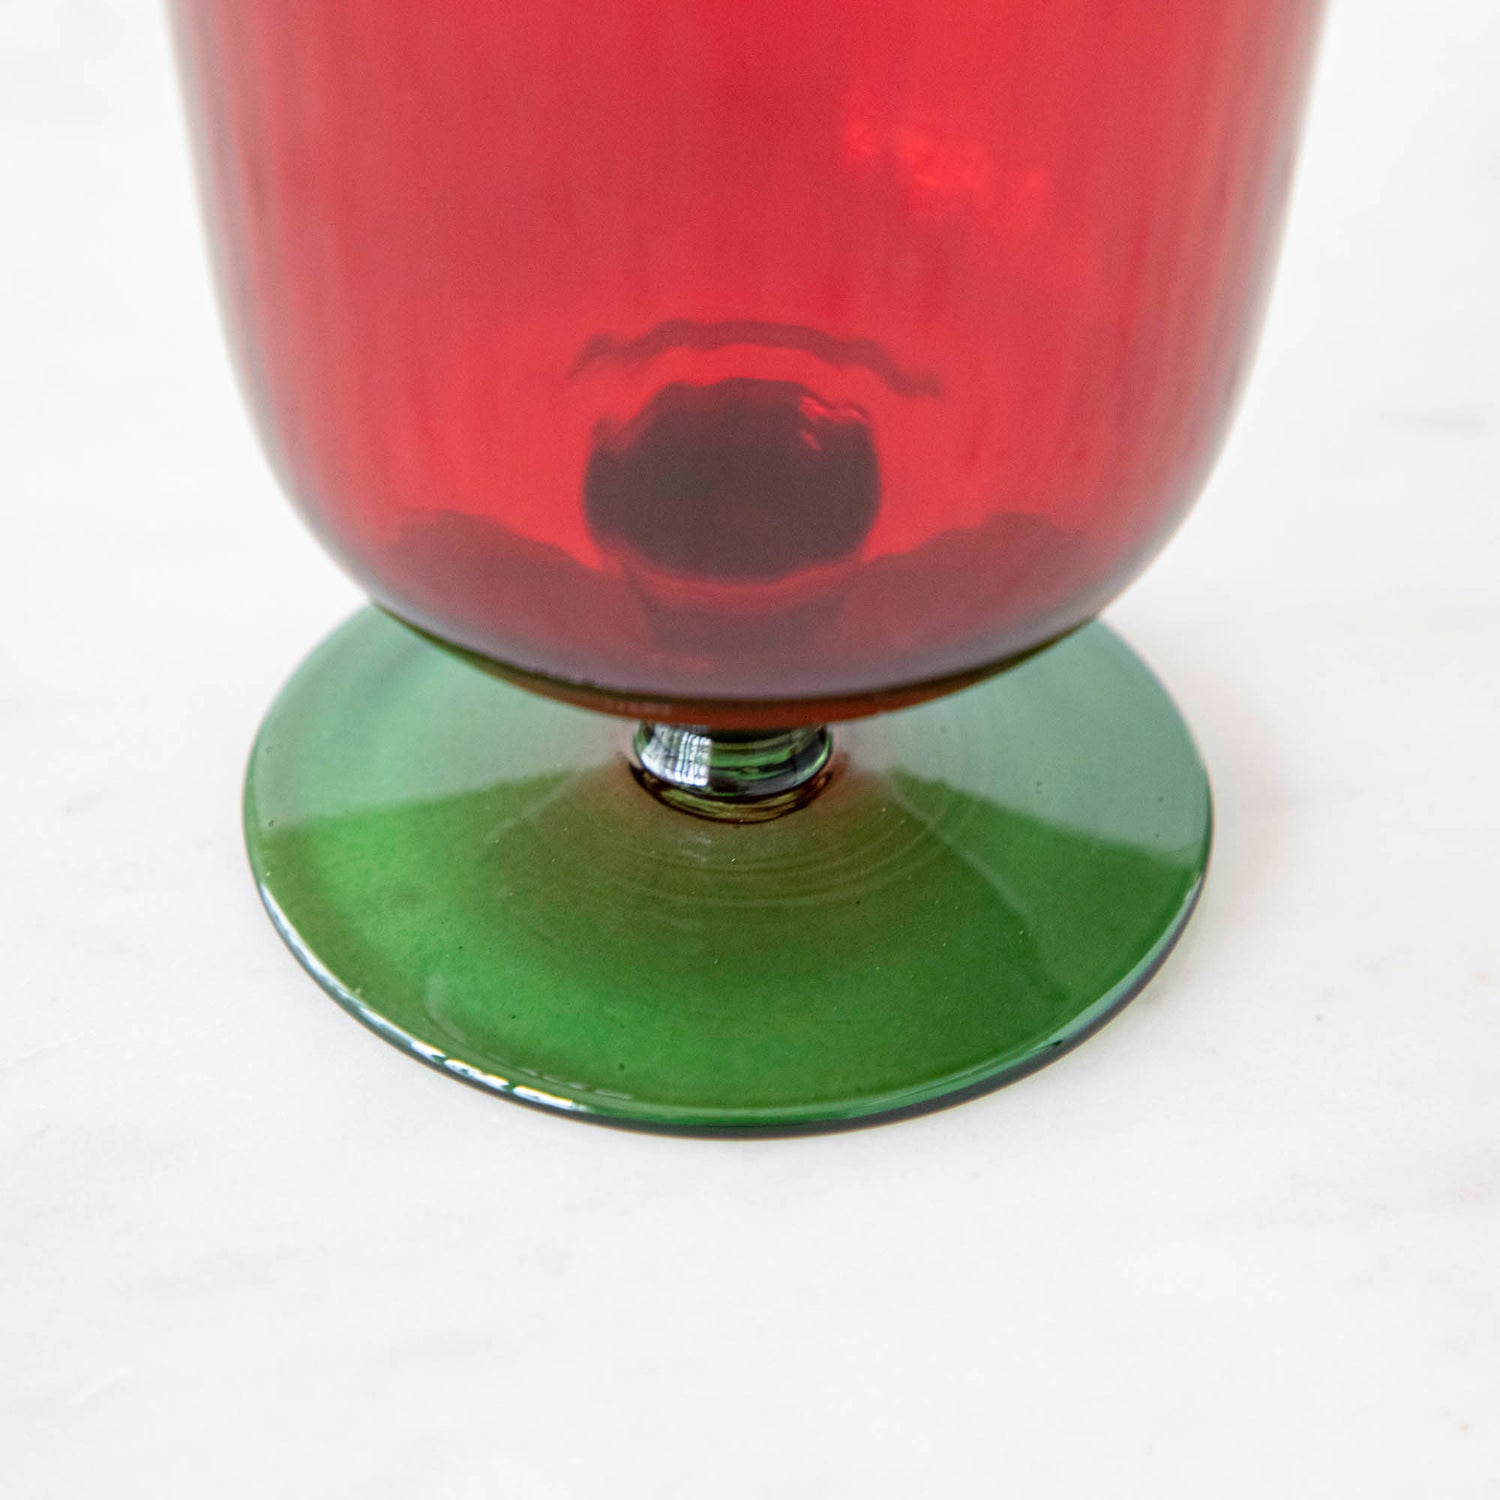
(732, 775)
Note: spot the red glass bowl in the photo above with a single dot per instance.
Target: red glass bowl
(472, 252)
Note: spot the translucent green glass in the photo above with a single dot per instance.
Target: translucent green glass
(473, 871)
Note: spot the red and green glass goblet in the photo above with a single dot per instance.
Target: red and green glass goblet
(681, 377)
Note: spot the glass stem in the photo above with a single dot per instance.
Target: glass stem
(736, 776)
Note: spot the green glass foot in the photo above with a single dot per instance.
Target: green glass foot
(475, 873)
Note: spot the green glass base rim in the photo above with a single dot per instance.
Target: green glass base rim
(943, 1093)
(474, 874)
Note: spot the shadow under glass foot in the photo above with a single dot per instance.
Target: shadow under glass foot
(474, 872)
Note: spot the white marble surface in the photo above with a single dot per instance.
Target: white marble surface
(1244, 1243)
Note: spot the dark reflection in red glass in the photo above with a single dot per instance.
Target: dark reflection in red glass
(737, 349)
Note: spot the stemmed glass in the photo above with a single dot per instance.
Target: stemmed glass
(711, 371)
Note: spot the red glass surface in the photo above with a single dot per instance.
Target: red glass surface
(743, 349)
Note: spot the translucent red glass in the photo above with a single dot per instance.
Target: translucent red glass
(715, 350)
